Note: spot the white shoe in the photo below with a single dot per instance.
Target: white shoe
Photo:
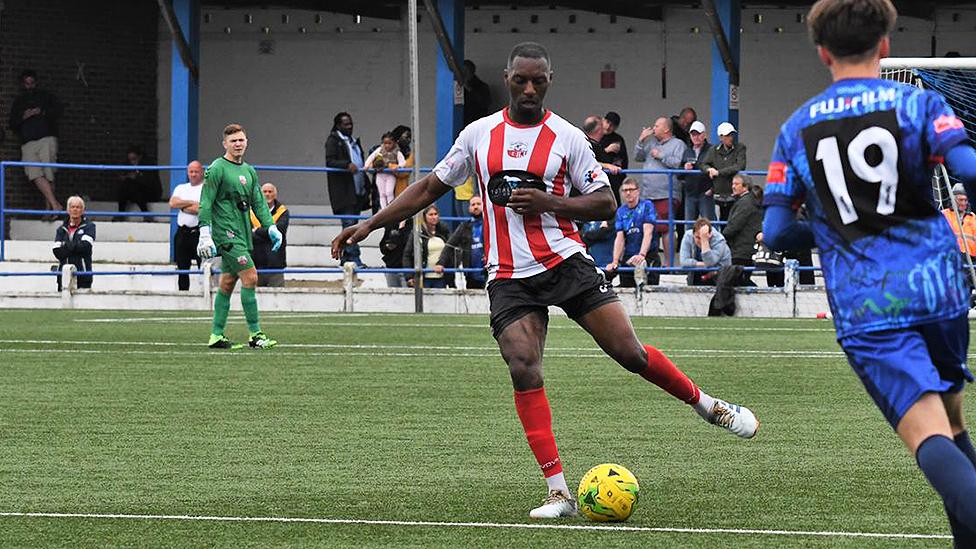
(557, 504)
(737, 419)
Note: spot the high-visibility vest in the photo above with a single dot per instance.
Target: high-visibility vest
(968, 229)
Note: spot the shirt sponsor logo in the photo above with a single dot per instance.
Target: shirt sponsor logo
(947, 122)
(590, 177)
(242, 179)
(863, 101)
(777, 172)
(517, 150)
(242, 260)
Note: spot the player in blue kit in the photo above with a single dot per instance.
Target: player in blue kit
(860, 155)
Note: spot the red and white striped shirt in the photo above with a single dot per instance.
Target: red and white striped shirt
(518, 246)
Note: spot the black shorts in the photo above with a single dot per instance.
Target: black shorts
(576, 286)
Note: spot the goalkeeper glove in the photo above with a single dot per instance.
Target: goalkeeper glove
(205, 246)
(276, 238)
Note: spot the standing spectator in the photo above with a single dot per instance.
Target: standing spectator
(386, 157)
(394, 240)
(721, 163)
(477, 94)
(634, 224)
(265, 257)
(74, 240)
(594, 130)
(616, 148)
(347, 189)
(186, 198)
(966, 240)
(34, 116)
(703, 247)
(433, 239)
(658, 149)
(403, 137)
(699, 193)
(138, 186)
(682, 124)
(466, 247)
(745, 222)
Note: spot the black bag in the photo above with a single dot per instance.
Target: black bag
(723, 302)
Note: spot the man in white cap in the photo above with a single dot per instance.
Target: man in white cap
(968, 220)
(699, 199)
(721, 162)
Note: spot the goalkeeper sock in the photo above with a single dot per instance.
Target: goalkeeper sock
(250, 303)
(952, 475)
(221, 308)
(663, 373)
(533, 410)
(963, 443)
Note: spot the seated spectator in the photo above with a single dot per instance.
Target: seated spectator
(186, 198)
(658, 149)
(262, 254)
(745, 222)
(777, 278)
(391, 247)
(634, 224)
(433, 239)
(721, 162)
(466, 248)
(74, 240)
(138, 186)
(966, 240)
(598, 237)
(703, 247)
(385, 157)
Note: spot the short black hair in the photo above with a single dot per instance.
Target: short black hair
(28, 73)
(850, 28)
(529, 50)
(399, 131)
(338, 117)
(613, 118)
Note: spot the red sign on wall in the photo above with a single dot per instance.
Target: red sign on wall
(608, 79)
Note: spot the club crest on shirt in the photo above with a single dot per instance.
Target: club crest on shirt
(230, 234)
(242, 260)
(591, 176)
(242, 179)
(518, 149)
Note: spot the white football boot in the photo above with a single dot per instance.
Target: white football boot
(557, 504)
(737, 419)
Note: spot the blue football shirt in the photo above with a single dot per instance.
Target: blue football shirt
(631, 221)
(860, 155)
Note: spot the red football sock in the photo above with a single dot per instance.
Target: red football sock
(533, 409)
(663, 373)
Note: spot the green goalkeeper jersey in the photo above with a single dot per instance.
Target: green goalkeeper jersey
(230, 192)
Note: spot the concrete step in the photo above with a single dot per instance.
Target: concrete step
(157, 253)
(137, 231)
(163, 207)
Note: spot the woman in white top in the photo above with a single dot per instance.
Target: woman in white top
(433, 239)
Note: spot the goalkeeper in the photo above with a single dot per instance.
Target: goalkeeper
(230, 191)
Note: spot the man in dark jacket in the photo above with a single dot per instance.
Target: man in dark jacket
(263, 255)
(466, 248)
(745, 222)
(348, 189)
(74, 240)
(699, 195)
(34, 116)
(722, 162)
(616, 148)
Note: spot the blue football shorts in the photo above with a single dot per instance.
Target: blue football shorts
(898, 366)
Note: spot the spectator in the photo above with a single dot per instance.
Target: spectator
(74, 240)
(391, 246)
(433, 239)
(745, 222)
(347, 189)
(776, 279)
(616, 148)
(682, 124)
(138, 186)
(186, 198)
(403, 136)
(477, 94)
(34, 116)
(386, 157)
(594, 130)
(967, 241)
(634, 224)
(658, 150)
(598, 237)
(721, 162)
(699, 199)
(703, 247)
(263, 255)
(466, 247)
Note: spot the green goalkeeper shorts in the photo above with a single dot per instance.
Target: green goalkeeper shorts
(235, 258)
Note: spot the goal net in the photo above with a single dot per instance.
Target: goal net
(955, 79)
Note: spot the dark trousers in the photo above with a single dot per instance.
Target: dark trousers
(349, 252)
(185, 250)
(746, 279)
(805, 257)
(129, 190)
(724, 208)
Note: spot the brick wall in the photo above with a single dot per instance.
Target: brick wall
(100, 58)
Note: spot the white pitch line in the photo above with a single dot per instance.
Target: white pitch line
(435, 524)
